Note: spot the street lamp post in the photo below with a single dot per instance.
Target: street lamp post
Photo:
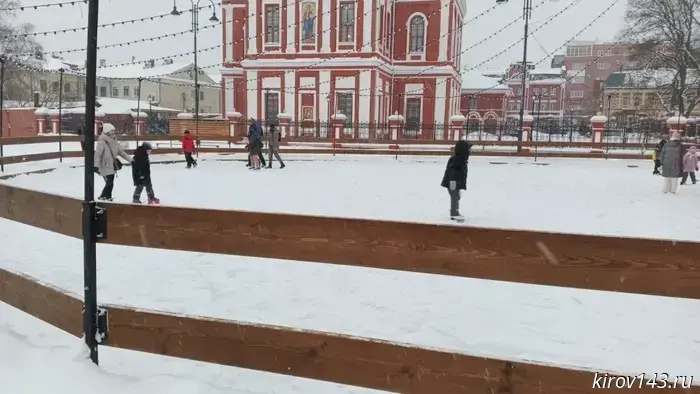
(328, 105)
(60, 113)
(527, 11)
(150, 99)
(195, 27)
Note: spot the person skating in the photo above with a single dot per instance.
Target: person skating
(106, 163)
(455, 177)
(690, 165)
(141, 173)
(188, 149)
(255, 133)
(656, 156)
(671, 163)
(273, 145)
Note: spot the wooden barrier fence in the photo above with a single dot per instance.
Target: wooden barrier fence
(305, 146)
(601, 263)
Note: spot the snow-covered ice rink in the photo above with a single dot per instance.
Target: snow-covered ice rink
(578, 328)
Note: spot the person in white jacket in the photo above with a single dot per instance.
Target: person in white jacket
(106, 163)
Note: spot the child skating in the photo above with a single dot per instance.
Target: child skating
(455, 178)
(690, 165)
(188, 149)
(141, 172)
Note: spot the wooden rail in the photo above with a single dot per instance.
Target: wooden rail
(362, 362)
(642, 266)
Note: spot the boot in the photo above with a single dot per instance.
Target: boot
(153, 201)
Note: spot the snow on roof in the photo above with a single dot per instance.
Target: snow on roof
(540, 71)
(135, 71)
(473, 80)
(547, 81)
(54, 64)
(118, 106)
(655, 78)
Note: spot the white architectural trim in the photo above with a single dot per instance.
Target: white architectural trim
(445, 10)
(252, 93)
(326, 23)
(252, 28)
(229, 97)
(413, 89)
(320, 64)
(365, 86)
(343, 83)
(337, 24)
(228, 31)
(324, 90)
(440, 99)
(474, 115)
(289, 92)
(491, 115)
(225, 71)
(408, 37)
(272, 83)
(368, 16)
(291, 25)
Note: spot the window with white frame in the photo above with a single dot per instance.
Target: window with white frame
(272, 103)
(417, 34)
(344, 105)
(413, 112)
(347, 23)
(578, 66)
(272, 24)
(115, 92)
(586, 50)
(577, 94)
(603, 66)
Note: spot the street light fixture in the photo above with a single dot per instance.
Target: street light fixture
(195, 28)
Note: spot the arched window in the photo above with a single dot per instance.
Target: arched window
(417, 32)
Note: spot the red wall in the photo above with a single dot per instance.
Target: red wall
(19, 122)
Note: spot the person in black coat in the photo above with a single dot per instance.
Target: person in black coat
(141, 172)
(657, 156)
(455, 178)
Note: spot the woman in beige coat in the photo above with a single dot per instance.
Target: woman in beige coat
(106, 152)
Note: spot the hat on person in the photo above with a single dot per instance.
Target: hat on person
(676, 136)
(147, 146)
(109, 129)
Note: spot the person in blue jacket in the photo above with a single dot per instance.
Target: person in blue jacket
(455, 178)
(255, 138)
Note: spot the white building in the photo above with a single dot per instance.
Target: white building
(168, 85)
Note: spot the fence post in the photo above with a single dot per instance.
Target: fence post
(396, 125)
(598, 132)
(40, 114)
(526, 132)
(53, 114)
(337, 121)
(99, 120)
(234, 122)
(285, 120)
(457, 122)
(677, 123)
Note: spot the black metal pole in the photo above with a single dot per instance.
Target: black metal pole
(138, 112)
(195, 23)
(527, 7)
(60, 114)
(89, 206)
(2, 107)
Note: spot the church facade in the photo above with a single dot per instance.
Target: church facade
(365, 59)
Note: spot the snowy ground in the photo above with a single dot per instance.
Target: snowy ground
(570, 327)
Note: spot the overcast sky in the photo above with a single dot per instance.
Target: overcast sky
(555, 34)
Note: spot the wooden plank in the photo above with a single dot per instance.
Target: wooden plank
(39, 139)
(643, 266)
(42, 301)
(46, 211)
(368, 363)
(39, 157)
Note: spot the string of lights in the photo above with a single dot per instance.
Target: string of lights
(481, 91)
(84, 28)
(586, 27)
(354, 51)
(40, 6)
(343, 54)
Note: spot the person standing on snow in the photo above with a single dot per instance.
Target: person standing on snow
(690, 165)
(255, 144)
(455, 177)
(106, 163)
(657, 156)
(273, 145)
(671, 163)
(188, 149)
(141, 173)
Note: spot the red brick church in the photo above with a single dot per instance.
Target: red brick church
(365, 59)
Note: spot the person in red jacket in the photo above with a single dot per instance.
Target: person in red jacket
(188, 149)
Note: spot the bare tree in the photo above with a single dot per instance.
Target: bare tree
(667, 34)
(18, 49)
